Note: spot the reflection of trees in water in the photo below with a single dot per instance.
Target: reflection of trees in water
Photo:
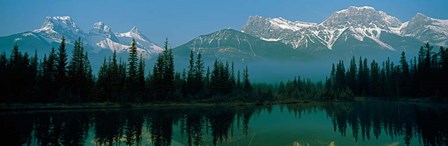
(108, 127)
(220, 121)
(366, 120)
(16, 129)
(133, 129)
(394, 119)
(56, 129)
(161, 128)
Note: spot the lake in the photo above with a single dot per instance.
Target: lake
(329, 124)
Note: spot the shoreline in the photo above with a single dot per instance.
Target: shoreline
(113, 105)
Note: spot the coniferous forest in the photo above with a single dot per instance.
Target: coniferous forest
(58, 77)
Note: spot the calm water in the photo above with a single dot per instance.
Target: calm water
(355, 123)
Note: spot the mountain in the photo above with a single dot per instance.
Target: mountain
(100, 40)
(353, 31)
(267, 60)
(233, 45)
(427, 29)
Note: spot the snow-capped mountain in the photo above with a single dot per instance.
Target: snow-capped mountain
(230, 44)
(56, 27)
(427, 29)
(99, 39)
(361, 25)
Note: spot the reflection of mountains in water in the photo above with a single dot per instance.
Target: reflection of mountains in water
(295, 124)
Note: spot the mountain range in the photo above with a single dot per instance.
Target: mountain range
(99, 39)
(355, 31)
(360, 23)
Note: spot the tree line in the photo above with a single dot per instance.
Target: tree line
(422, 76)
(56, 78)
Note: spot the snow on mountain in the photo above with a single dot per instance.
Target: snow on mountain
(230, 44)
(101, 29)
(427, 29)
(99, 38)
(142, 41)
(56, 27)
(294, 26)
(360, 23)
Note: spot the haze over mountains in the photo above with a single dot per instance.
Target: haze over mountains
(268, 43)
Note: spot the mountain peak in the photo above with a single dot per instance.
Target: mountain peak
(56, 23)
(101, 27)
(420, 16)
(364, 16)
(134, 30)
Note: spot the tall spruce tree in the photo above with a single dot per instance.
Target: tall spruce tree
(76, 70)
(404, 76)
(246, 82)
(191, 74)
(61, 68)
(132, 69)
(199, 71)
(141, 75)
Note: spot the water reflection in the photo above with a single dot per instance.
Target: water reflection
(354, 123)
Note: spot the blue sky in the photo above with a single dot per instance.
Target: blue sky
(182, 20)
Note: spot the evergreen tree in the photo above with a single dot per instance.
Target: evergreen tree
(191, 74)
(246, 83)
(199, 71)
(76, 71)
(168, 78)
(163, 76)
(375, 79)
(49, 75)
(141, 75)
(132, 70)
(61, 67)
(404, 75)
(351, 75)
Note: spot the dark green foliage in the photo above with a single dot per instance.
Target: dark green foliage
(79, 74)
(61, 69)
(424, 77)
(132, 78)
(220, 81)
(195, 80)
(300, 88)
(163, 76)
(53, 80)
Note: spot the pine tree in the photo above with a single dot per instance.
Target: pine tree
(375, 78)
(61, 67)
(168, 77)
(141, 75)
(246, 83)
(351, 75)
(404, 75)
(191, 74)
(103, 83)
(76, 70)
(132, 70)
(199, 71)
(49, 75)
(163, 76)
